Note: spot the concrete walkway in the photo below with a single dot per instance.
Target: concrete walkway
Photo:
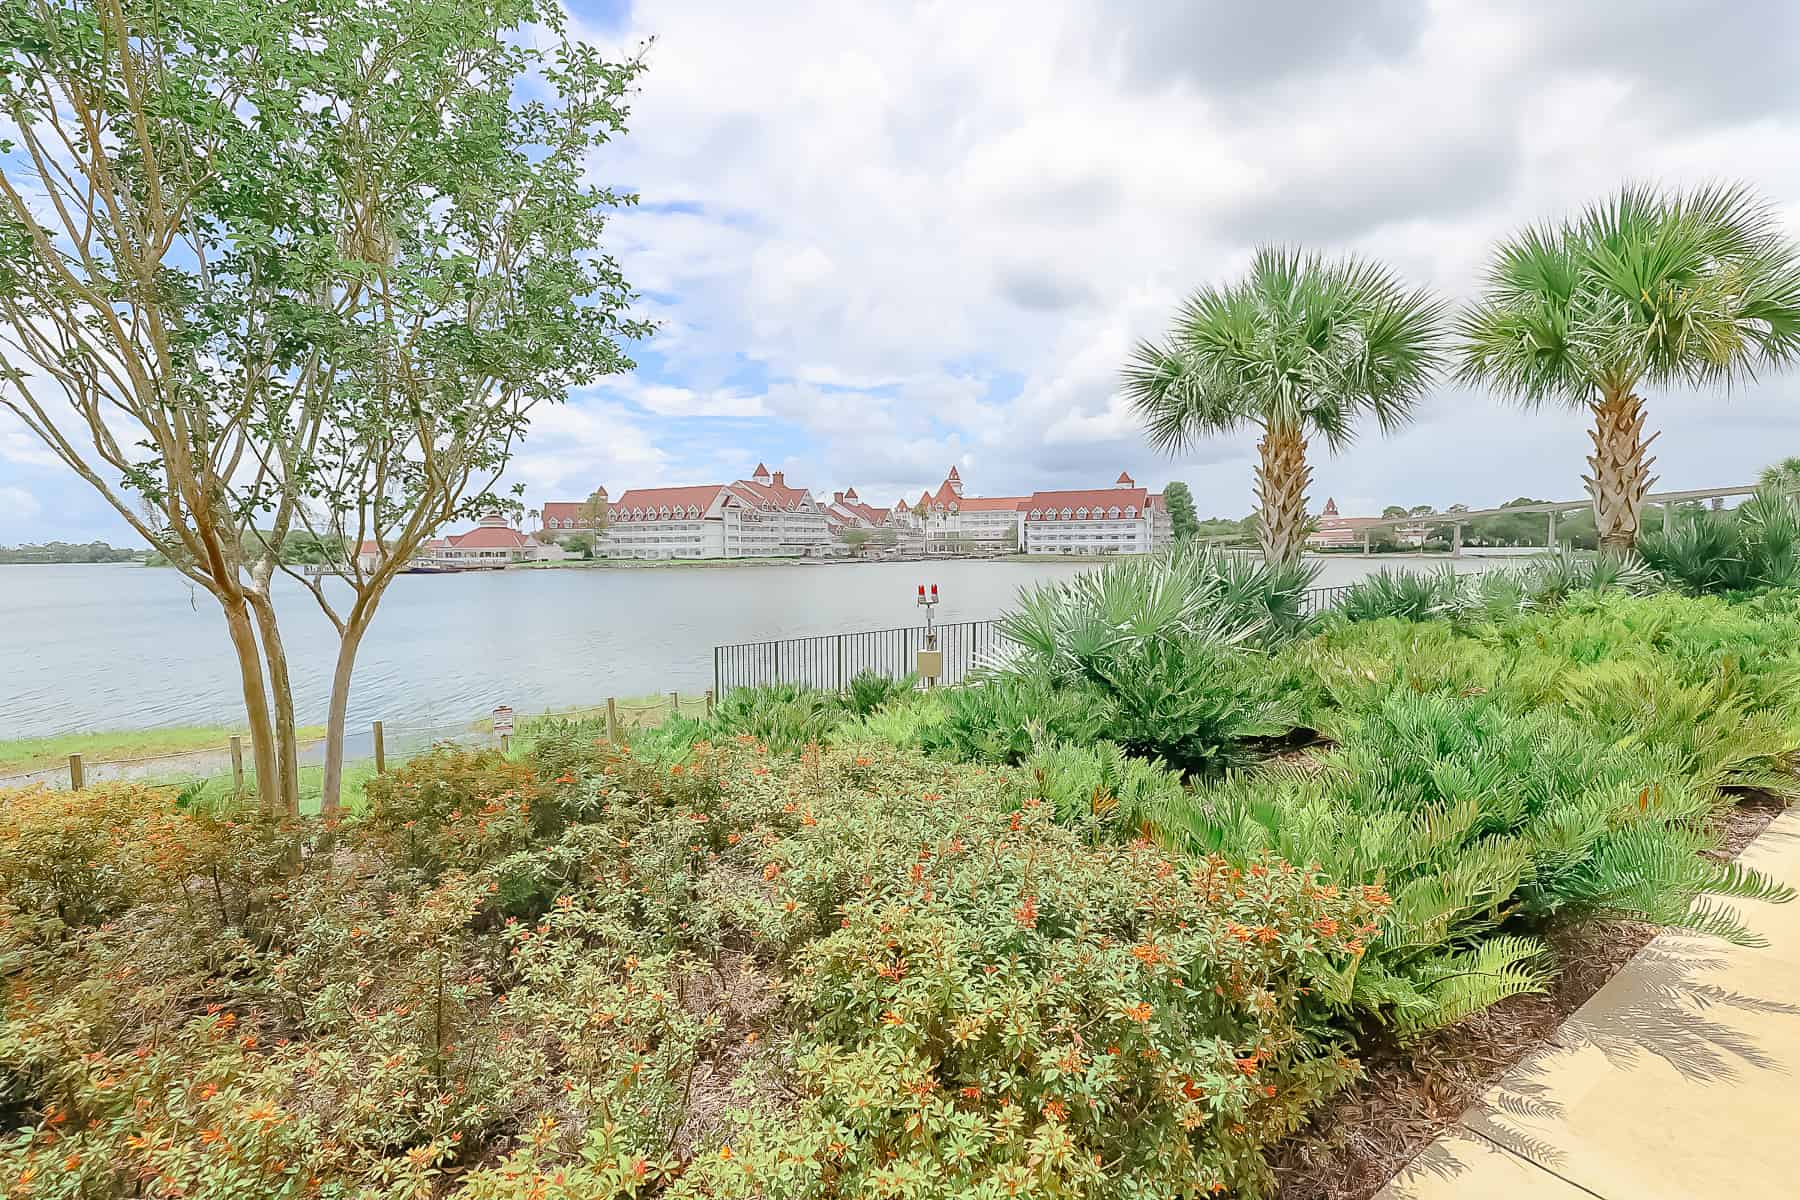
(1679, 1079)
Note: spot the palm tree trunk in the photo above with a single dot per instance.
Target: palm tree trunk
(1282, 478)
(1620, 469)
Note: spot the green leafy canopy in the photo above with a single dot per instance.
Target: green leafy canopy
(1299, 343)
(1700, 287)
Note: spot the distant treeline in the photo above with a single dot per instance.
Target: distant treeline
(295, 548)
(67, 552)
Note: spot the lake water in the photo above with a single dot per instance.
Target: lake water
(122, 646)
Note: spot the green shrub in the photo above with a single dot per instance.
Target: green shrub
(1757, 546)
(786, 716)
(910, 722)
(1102, 790)
(1484, 824)
(1004, 718)
(753, 974)
(1000, 1009)
(870, 690)
(1408, 595)
(454, 807)
(1191, 703)
(1059, 628)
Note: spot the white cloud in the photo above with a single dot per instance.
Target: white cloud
(879, 238)
(18, 506)
(938, 229)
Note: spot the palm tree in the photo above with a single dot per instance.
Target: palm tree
(1783, 476)
(1644, 288)
(1299, 347)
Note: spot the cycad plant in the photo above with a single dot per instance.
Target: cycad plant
(1484, 825)
(1644, 289)
(1299, 348)
(1162, 648)
(1756, 546)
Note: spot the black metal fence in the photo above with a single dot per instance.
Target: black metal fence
(1314, 601)
(832, 660)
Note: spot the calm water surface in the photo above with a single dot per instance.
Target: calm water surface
(123, 646)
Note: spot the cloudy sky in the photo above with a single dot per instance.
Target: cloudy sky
(882, 239)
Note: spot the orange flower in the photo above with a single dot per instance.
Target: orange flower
(890, 1017)
(725, 1152)
(971, 1093)
(1139, 1012)
(1056, 1110)
(1027, 913)
(71, 1162)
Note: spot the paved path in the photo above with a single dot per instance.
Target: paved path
(1678, 1080)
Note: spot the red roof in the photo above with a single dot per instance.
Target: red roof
(953, 474)
(774, 494)
(490, 537)
(564, 510)
(700, 496)
(1091, 498)
(369, 547)
(989, 503)
(1124, 479)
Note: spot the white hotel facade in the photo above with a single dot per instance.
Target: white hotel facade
(759, 517)
(764, 517)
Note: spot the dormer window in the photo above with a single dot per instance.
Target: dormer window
(1037, 514)
(1066, 514)
(1131, 510)
(1081, 513)
(1113, 511)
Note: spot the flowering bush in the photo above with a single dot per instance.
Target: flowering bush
(743, 974)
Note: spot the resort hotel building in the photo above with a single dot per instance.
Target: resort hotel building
(758, 517)
(763, 516)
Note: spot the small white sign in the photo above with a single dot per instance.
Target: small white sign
(503, 721)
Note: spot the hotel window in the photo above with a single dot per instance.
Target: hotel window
(1066, 514)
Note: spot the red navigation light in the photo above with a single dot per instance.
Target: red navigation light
(921, 591)
(934, 591)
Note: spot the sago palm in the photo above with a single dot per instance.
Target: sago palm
(1646, 288)
(1298, 348)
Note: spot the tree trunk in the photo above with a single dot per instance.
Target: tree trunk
(256, 700)
(1282, 478)
(354, 627)
(287, 746)
(1620, 477)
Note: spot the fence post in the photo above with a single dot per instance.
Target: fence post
(777, 662)
(718, 684)
(380, 751)
(612, 721)
(709, 701)
(840, 662)
(675, 704)
(237, 766)
(77, 778)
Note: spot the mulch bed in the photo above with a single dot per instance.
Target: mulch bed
(1364, 1137)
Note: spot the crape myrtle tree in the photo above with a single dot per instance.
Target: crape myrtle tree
(300, 267)
(1646, 288)
(1299, 348)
